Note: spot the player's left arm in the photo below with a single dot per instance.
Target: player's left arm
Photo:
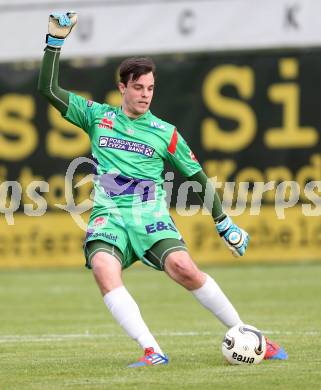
(183, 159)
(234, 237)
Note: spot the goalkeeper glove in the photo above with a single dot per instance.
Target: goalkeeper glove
(235, 239)
(59, 28)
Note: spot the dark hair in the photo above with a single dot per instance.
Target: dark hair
(132, 68)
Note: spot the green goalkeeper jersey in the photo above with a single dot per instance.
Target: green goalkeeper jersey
(129, 154)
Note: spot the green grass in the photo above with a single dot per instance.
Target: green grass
(55, 332)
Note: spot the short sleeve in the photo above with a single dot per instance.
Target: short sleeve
(180, 156)
(81, 112)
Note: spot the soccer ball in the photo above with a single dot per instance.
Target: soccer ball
(244, 344)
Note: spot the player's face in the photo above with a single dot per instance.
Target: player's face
(137, 95)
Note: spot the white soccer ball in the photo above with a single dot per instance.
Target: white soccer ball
(244, 344)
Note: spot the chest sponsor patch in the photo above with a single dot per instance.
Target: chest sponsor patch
(106, 123)
(128, 146)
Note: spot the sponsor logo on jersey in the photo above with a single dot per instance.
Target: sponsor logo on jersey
(157, 125)
(110, 114)
(99, 221)
(103, 142)
(149, 151)
(106, 123)
(126, 145)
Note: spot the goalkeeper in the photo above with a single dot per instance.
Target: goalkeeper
(130, 219)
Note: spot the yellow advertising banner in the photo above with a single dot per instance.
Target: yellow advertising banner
(294, 238)
(55, 240)
(52, 240)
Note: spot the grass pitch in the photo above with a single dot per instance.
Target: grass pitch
(55, 332)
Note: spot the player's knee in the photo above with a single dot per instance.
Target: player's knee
(102, 263)
(181, 266)
(107, 273)
(96, 264)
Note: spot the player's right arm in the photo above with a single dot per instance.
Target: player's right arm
(59, 28)
(48, 81)
(74, 108)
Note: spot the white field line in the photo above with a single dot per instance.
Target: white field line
(82, 336)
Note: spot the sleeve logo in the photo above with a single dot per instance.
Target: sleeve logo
(192, 155)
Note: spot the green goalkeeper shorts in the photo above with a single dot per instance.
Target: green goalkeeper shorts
(154, 257)
(132, 233)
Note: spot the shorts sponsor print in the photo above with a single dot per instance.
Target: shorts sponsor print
(110, 237)
(132, 239)
(99, 221)
(159, 226)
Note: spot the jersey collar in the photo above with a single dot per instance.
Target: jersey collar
(141, 117)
